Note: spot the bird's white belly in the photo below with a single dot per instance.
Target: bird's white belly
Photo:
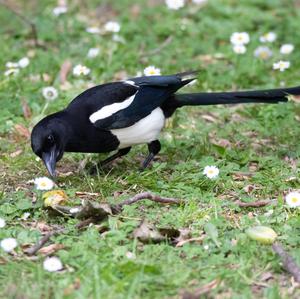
(144, 131)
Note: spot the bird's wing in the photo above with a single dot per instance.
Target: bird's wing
(149, 94)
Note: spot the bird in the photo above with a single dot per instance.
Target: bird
(118, 115)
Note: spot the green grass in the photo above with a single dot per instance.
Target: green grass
(262, 138)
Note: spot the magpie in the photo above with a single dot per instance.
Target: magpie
(116, 116)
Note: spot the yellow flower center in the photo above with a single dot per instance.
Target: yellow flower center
(43, 184)
(263, 54)
(210, 171)
(294, 199)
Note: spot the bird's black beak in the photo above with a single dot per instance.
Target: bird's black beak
(49, 159)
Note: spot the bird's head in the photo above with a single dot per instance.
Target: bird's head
(48, 141)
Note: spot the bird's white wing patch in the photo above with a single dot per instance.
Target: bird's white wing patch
(144, 131)
(109, 110)
(130, 82)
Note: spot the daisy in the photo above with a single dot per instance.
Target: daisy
(239, 38)
(80, 70)
(269, 37)
(2, 223)
(93, 52)
(199, 1)
(112, 26)
(287, 49)
(293, 199)
(93, 30)
(43, 183)
(8, 244)
(11, 71)
(25, 216)
(281, 65)
(239, 49)
(52, 264)
(59, 10)
(74, 210)
(211, 171)
(151, 71)
(50, 93)
(11, 65)
(23, 62)
(117, 38)
(175, 4)
(263, 52)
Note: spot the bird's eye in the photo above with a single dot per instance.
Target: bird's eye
(50, 139)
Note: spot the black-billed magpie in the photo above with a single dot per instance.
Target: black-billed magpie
(118, 115)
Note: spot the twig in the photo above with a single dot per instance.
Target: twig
(150, 196)
(35, 248)
(26, 21)
(288, 262)
(166, 42)
(85, 222)
(255, 204)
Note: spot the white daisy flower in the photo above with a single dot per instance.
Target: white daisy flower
(25, 216)
(59, 10)
(112, 26)
(12, 65)
(52, 264)
(175, 4)
(239, 49)
(74, 210)
(117, 38)
(240, 38)
(287, 49)
(93, 30)
(11, 71)
(269, 37)
(151, 71)
(293, 199)
(206, 247)
(281, 65)
(23, 62)
(211, 171)
(263, 52)
(93, 52)
(8, 244)
(79, 70)
(199, 1)
(2, 223)
(43, 183)
(50, 93)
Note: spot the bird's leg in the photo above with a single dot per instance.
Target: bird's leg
(121, 152)
(154, 148)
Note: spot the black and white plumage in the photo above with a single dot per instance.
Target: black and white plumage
(118, 115)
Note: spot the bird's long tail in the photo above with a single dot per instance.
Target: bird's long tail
(214, 98)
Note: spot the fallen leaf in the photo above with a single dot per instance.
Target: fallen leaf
(262, 234)
(16, 153)
(48, 250)
(55, 197)
(200, 291)
(183, 242)
(26, 110)
(22, 131)
(64, 71)
(147, 233)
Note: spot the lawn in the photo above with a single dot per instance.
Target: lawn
(255, 147)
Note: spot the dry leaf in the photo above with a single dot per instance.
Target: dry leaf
(43, 227)
(48, 250)
(200, 291)
(22, 131)
(55, 197)
(64, 71)
(16, 153)
(198, 240)
(147, 233)
(26, 110)
(72, 287)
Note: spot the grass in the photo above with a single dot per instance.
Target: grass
(263, 139)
